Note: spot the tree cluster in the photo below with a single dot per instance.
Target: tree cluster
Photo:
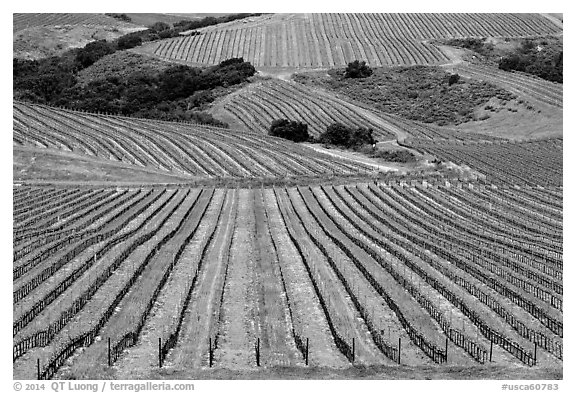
(122, 17)
(478, 45)
(291, 130)
(340, 135)
(175, 93)
(357, 69)
(402, 156)
(544, 61)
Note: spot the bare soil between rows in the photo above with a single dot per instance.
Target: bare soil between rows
(367, 372)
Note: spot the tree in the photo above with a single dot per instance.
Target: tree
(291, 130)
(357, 69)
(336, 134)
(340, 135)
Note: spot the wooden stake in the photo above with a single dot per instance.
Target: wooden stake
(160, 352)
(534, 352)
(491, 344)
(38, 367)
(258, 352)
(353, 350)
(307, 350)
(210, 351)
(109, 354)
(446, 349)
(399, 348)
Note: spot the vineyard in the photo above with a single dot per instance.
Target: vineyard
(256, 107)
(524, 85)
(364, 274)
(334, 40)
(152, 249)
(537, 162)
(184, 149)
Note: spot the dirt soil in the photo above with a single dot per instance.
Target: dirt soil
(370, 372)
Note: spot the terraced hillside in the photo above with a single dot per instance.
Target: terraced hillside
(370, 274)
(333, 40)
(186, 150)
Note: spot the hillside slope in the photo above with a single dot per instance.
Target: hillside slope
(42, 35)
(333, 40)
(179, 149)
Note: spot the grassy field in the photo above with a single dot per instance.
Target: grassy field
(38, 36)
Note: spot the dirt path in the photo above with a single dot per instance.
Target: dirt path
(307, 316)
(200, 322)
(353, 157)
(239, 324)
(278, 345)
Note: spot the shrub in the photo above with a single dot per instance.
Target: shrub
(159, 26)
(93, 52)
(128, 41)
(357, 69)
(403, 156)
(291, 130)
(453, 78)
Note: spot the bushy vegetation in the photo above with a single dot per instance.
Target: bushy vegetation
(122, 17)
(210, 21)
(478, 45)
(291, 130)
(177, 92)
(538, 58)
(424, 93)
(340, 135)
(128, 41)
(121, 64)
(357, 69)
(542, 57)
(401, 156)
(162, 30)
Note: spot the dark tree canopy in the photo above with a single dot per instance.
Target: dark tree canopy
(357, 69)
(291, 130)
(129, 41)
(453, 78)
(340, 135)
(93, 52)
(545, 61)
(178, 92)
